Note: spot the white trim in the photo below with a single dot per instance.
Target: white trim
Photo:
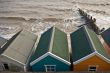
(52, 38)
(92, 44)
(107, 60)
(69, 43)
(102, 57)
(3, 44)
(51, 68)
(92, 54)
(31, 53)
(52, 55)
(7, 65)
(94, 66)
(25, 69)
(12, 59)
(1, 67)
(38, 59)
(84, 58)
(57, 57)
(36, 43)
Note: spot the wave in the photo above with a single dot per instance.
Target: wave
(48, 19)
(19, 18)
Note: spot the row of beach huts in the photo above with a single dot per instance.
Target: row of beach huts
(49, 52)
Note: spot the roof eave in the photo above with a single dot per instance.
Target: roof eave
(84, 58)
(102, 57)
(49, 54)
(3, 55)
(60, 59)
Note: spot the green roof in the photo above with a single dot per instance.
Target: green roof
(54, 41)
(98, 45)
(84, 42)
(60, 45)
(44, 44)
(80, 44)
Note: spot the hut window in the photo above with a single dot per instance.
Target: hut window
(6, 66)
(92, 68)
(50, 68)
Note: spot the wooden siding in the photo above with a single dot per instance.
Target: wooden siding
(95, 60)
(40, 66)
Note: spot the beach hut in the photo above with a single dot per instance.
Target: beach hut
(18, 50)
(2, 42)
(52, 53)
(88, 54)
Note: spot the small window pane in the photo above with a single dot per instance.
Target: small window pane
(50, 68)
(92, 67)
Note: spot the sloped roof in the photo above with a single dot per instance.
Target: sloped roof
(80, 44)
(2, 41)
(84, 42)
(60, 45)
(54, 41)
(20, 46)
(43, 45)
(106, 36)
(98, 46)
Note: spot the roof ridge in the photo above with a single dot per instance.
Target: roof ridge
(29, 32)
(52, 38)
(52, 55)
(103, 57)
(89, 38)
(10, 41)
(12, 59)
(95, 47)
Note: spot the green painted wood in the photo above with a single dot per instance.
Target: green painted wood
(60, 45)
(80, 44)
(98, 45)
(43, 45)
(40, 66)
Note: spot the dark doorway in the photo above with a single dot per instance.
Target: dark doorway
(6, 66)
